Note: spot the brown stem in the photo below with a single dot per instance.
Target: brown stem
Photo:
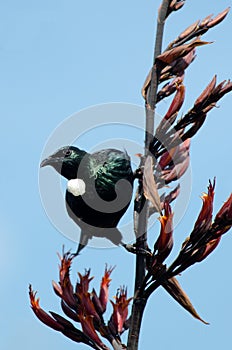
(141, 229)
(137, 314)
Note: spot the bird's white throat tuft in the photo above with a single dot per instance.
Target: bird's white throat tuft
(76, 187)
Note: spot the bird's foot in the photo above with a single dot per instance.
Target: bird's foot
(132, 248)
(73, 255)
(80, 247)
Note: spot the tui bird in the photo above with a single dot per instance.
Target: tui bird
(99, 190)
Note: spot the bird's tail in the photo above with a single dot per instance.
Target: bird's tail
(113, 234)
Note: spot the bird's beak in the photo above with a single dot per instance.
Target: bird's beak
(49, 161)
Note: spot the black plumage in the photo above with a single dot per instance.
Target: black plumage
(99, 189)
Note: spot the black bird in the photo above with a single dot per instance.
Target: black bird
(99, 189)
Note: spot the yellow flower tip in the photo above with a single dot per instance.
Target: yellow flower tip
(33, 300)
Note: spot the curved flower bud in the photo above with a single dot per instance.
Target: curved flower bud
(205, 94)
(204, 219)
(175, 5)
(223, 219)
(179, 51)
(104, 289)
(175, 162)
(177, 102)
(164, 243)
(96, 302)
(41, 314)
(66, 287)
(219, 18)
(69, 312)
(209, 248)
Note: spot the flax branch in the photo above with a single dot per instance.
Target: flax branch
(141, 229)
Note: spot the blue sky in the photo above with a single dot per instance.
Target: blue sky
(58, 58)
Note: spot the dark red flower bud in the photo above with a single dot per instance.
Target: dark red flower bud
(204, 219)
(175, 162)
(223, 219)
(219, 18)
(174, 5)
(164, 243)
(65, 283)
(104, 289)
(177, 102)
(97, 303)
(209, 248)
(69, 312)
(206, 93)
(189, 30)
(179, 51)
(41, 314)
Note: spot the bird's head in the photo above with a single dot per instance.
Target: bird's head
(66, 161)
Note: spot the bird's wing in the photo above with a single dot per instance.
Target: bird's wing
(108, 167)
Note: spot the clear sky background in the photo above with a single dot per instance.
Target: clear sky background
(58, 57)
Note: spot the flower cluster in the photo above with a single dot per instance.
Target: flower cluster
(170, 145)
(202, 241)
(180, 53)
(170, 134)
(86, 308)
(206, 233)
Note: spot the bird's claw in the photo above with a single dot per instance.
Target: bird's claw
(73, 255)
(132, 248)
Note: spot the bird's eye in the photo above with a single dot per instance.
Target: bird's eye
(67, 152)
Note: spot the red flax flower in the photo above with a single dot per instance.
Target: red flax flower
(204, 219)
(41, 314)
(223, 219)
(164, 243)
(120, 311)
(104, 289)
(222, 223)
(174, 163)
(209, 248)
(172, 112)
(65, 288)
(206, 234)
